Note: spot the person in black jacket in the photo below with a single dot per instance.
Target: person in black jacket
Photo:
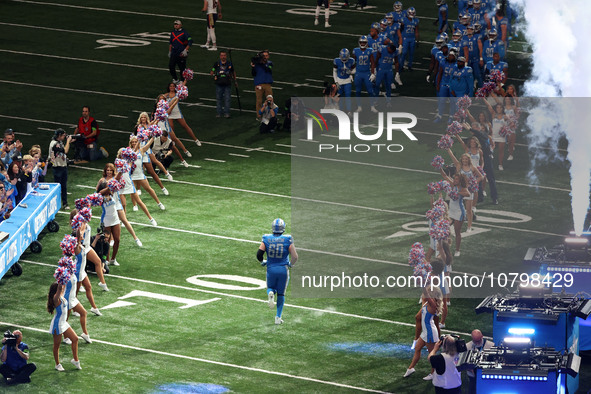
(178, 49)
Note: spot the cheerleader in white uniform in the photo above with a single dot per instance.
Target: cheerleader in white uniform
(498, 121)
(457, 211)
(59, 325)
(149, 160)
(175, 114)
(138, 177)
(110, 218)
(164, 125)
(510, 111)
(465, 167)
(108, 174)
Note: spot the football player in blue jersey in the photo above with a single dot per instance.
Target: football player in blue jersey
(398, 13)
(471, 47)
(326, 4)
(392, 32)
(456, 40)
(279, 248)
(441, 16)
(364, 68)
(446, 66)
(501, 24)
(479, 32)
(497, 64)
(387, 58)
(489, 47)
(343, 71)
(462, 81)
(434, 63)
(461, 24)
(462, 7)
(410, 37)
(477, 12)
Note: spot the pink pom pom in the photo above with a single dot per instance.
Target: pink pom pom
(454, 195)
(163, 104)
(67, 262)
(188, 74)
(155, 130)
(77, 222)
(454, 128)
(505, 131)
(438, 162)
(62, 275)
(121, 166)
(81, 203)
(95, 199)
(464, 102)
(417, 254)
(472, 184)
(68, 245)
(440, 203)
(446, 142)
(440, 230)
(432, 188)
(496, 76)
(460, 115)
(435, 213)
(129, 155)
(86, 214)
(182, 92)
(481, 171)
(444, 186)
(114, 185)
(142, 134)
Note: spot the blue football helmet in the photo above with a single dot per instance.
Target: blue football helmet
(397, 6)
(465, 18)
(492, 34)
(477, 27)
(383, 25)
(445, 36)
(375, 25)
(411, 12)
(363, 42)
(390, 18)
(439, 41)
(476, 4)
(457, 34)
(278, 226)
(344, 55)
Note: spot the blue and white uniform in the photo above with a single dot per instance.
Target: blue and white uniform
(81, 265)
(277, 247)
(109, 216)
(462, 82)
(497, 125)
(385, 72)
(363, 61)
(138, 172)
(175, 113)
(490, 47)
(457, 211)
(428, 327)
(473, 60)
(446, 68)
(468, 174)
(70, 293)
(444, 286)
(129, 187)
(59, 323)
(408, 41)
(441, 20)
(475, 158)
(343, 78)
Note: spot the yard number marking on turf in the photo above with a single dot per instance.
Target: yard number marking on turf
(188, 302)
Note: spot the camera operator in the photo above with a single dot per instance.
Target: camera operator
(10, 149)
(447, 378)
(268, 114)
(479, 343)
(59, 161)
(100, 244)
(14, 357)
(262, 71)
(162, 148)
(87, 144)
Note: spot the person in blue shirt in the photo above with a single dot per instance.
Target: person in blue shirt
(15, 368)
(410, 37)
(461, 24)
(490, 47)
(398, 13)
(179, 44)
(462, 7)
(434, 62)
(462, 81)
(471, 46)
(392, 32)
(279, 248)
(501, 24)
(343, 71)
(387, 59)
(456, 39)
(496, 64)
(364, 66)
(373, 39)
(441, 16)
(446, 67)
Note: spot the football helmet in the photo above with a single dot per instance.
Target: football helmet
(445, 36)
(390, 18)
(278, 226)
(383, 25)
(344, 55)
(476, 4)
(440, 2)
(492, 34)
(363, 42)
(477, 27)
(397, 6)
(457, 34)
(411, 12)
(453, 51)
(439, 41)
(375, 25)
(465, 18)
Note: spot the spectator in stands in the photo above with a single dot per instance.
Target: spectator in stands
(262, 71)
(15, 368)
(6, 203)
(41, 166)
(10, 149)
(59, 160)
(478, 343)
(87, 148)
(18, 180)
(268, 113)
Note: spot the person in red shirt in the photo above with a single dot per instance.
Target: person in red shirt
(87, 148)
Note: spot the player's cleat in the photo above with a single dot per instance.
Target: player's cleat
(138, 242)
(397, 79)
(316, 22)
(198, 143)
(441, 325)
(139, 192)
(278, 320)
(188, 153)
(74, 313)
(161, 206)
(76, 363)
(135, 208)
(104, 152)
(271, 297)
(114, 262)
(457, 253)
(184, 163)
(86, 338)
(213, 48)
(165, 191)
(409, 372)
(96, 311)
(59, 368)
(103, 286)
(153, 222)
(428, 377)
(67, 341)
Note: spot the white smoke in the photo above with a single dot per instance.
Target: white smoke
(560, 34)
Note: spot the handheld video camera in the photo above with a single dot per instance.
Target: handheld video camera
(10, 339)
(258, 58)
(460, 343)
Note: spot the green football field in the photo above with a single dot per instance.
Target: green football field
(188, 312)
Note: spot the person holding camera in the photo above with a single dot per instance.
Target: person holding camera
(262, 71)
(446, 379)
(162, 148)
(59, 161)
(87, 144)
(223, 75)
(268, 113)
(14, 357)
(10, 149)
(478, 343)
(178, 49)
